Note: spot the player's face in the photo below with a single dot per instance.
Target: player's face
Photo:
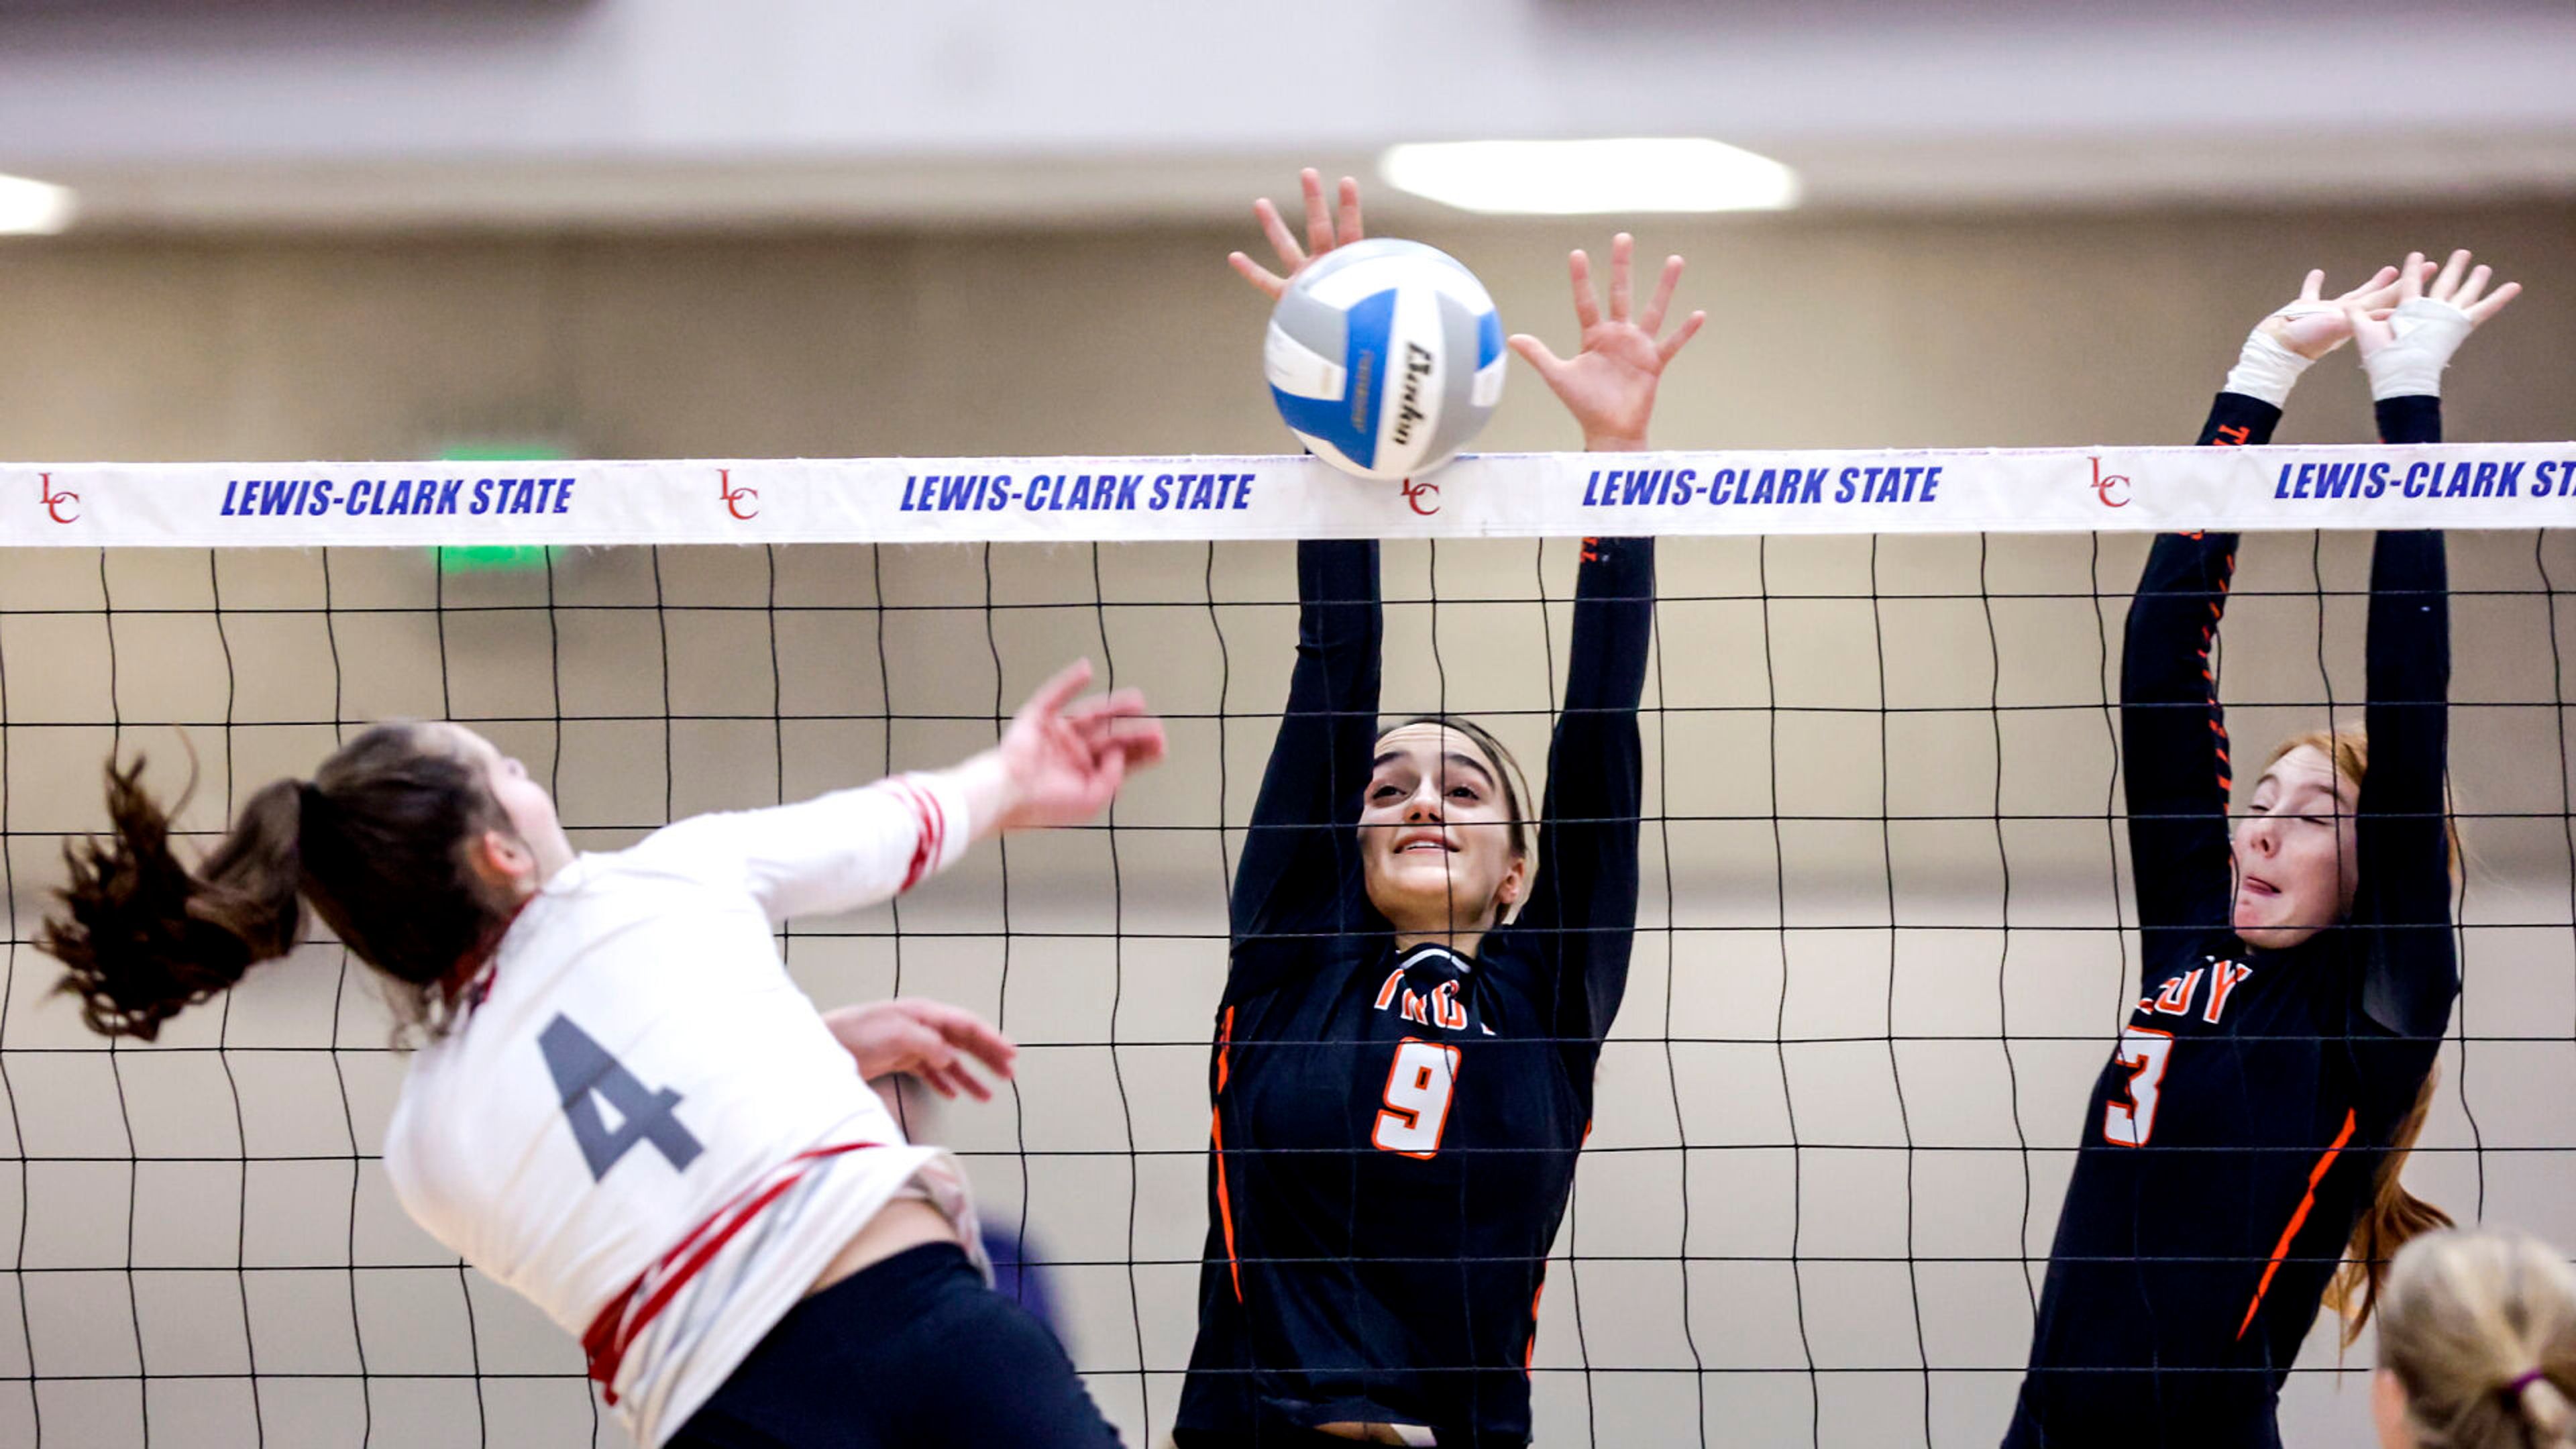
(1435, 832)
(2296, 865)
(530, 810)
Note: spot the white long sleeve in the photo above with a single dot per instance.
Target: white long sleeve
(835, 852)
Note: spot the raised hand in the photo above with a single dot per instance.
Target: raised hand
(2405, 350)
(1326, 228)
(1061, 762)
(2313, 326)
(1609, 385)
(927, 1039)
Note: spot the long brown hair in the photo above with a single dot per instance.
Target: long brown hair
(2480, 1331)
(2395, 1216)
(375, 841)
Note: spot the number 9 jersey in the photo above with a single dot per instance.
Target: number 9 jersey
(1395, 1130)
(641, 1124)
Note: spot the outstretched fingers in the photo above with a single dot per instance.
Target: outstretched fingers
(2448, 282)
(1282, 241)
(2473, 287)
(1622, 251)
(2412, 276)
(1319, 217)
(1587, 305)
(2379, 291)
(2493, 302)
(1652, 319)
(1671, 347)
(1258, 275)
(1536, 354)
(1328, 225)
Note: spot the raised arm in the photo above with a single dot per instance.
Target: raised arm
(2173, 734)
(1060, 762)
(1301, 853)
(1583, 905)
(2403, 895)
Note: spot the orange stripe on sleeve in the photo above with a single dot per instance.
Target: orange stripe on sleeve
(1216, 1141)
(2281, 1250)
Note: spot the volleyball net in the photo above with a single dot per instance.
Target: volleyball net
(1885, 941)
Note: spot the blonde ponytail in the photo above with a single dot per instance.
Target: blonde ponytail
(2480, 1330)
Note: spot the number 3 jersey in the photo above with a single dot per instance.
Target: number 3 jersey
(2237, 1134)
(641, 1124)
(1395, 1132)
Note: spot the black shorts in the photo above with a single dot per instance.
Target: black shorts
(911, 1351)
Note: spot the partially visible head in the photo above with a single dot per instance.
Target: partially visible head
(2477, 1345)
(2297, 862)
(415, 842)
(1445, 843)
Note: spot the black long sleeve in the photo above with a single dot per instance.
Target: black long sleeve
(2403, 899)
(2173, 734)
(1583, 906)
(1301, 853)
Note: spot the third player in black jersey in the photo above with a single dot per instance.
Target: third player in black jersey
(2298, 974)
(1418, 990)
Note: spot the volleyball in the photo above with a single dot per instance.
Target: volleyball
(1385, 357)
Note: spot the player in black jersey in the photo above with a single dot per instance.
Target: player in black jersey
(1417, 991)
(2298, 975)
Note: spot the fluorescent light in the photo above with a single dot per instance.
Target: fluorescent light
(33, 208)
(1565, 178)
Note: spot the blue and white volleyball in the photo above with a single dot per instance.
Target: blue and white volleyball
(1385, 357)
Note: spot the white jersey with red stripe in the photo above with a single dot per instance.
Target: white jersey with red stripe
(642, 1125)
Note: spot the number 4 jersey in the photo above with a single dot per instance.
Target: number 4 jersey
(641, 1124)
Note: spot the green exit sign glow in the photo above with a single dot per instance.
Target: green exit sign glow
(495, 558)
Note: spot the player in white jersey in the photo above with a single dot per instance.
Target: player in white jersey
(625, 1110)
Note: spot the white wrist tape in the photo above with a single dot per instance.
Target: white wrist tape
(2266, 369)
(2428, 332)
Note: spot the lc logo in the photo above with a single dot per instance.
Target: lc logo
(1424, 497)
(56, 501)
(2105, 483)
(734, 498)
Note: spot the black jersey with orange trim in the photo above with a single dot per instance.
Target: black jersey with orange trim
(1395, 1133)
(2234, 1139)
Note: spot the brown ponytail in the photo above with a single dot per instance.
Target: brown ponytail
(2395, 1218)
(377, 842)
(144, 937)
